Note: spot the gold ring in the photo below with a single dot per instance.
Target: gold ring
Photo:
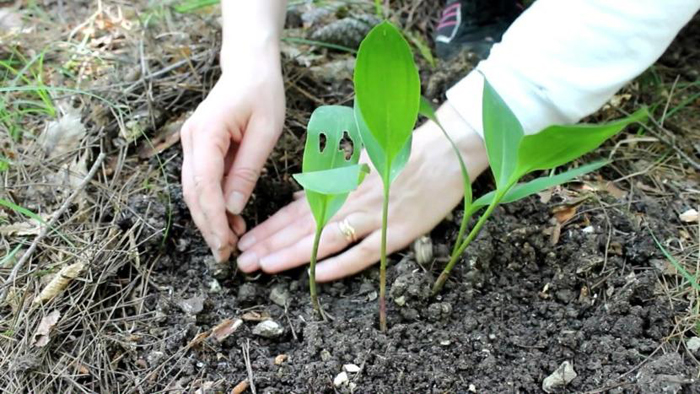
(347, 230)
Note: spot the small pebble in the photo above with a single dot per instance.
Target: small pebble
(214, 286)
(279, 295)
(693, 344)
(401, 301)
(341, 379)
(192, 306)
(560, 378)
(351, 368)
(268, 329)
(325, 355)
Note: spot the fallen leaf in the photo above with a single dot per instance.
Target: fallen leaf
(60, 282)
(224, 329)
(614, 191)
(81, 369)
(167, 136)
(256, 316)
(198, 339)
(545, 195)
(64, 135)
(41, 335)
(564, 213)
(240, 387)
(689, 216)
(10, 20)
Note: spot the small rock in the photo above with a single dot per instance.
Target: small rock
(560, 378)
(693, 344)
(247, 292)
(325, 355)
(445, 342)
(472, 388)
(423, 249)
(279, 295)
(588, 230)
(192, 306)
(372, 296)
(341, 379)
(281, 358)
(154, 358)
(351, 368)
(214, 286)
(401, 301)
(352, 386)
(689, 216)
(268, 329)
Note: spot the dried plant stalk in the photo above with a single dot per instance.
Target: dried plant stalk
(60, 282)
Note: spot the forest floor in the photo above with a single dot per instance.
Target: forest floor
(600, 275)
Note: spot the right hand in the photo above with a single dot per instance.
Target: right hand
(226, 143)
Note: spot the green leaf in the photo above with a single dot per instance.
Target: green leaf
(332, 182)
(387, 89)
(427, 110)
(376, 153)
(557, 145)
(502, 135)
(522, 190)
(327, 175)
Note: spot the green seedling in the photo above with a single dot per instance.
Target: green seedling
(512, 155)
(387, 98)
(330, 171)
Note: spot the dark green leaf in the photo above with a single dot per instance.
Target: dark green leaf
(557, 145)
(387, 89)
(522, 190)
(502, 135)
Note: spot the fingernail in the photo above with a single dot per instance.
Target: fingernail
(245, 242)
(236, 203)
(271, 262)
(246, 261)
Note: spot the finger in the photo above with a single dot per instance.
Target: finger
(189, 191)
(207, 171)
(283, 218)
(259, 139)
(332, 241)
(352, 261)
(237, 223)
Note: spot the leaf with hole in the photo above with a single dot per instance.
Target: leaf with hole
(329, 169)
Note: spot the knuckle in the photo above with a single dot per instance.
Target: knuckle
(246, 174)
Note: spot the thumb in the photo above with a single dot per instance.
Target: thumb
(257, 143)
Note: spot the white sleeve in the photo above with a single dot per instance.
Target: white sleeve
(562, 60)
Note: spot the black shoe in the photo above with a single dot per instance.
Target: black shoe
(474, 25)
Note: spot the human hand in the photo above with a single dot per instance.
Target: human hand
(285, 240)
(226, 143)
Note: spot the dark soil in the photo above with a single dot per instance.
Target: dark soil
(522, 308)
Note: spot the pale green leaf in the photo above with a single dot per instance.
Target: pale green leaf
(502, 135)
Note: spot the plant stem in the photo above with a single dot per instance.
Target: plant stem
(462, 228)
(312, 271)
(382, 264)
(440, 282)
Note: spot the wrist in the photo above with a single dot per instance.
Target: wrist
(260, 56)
